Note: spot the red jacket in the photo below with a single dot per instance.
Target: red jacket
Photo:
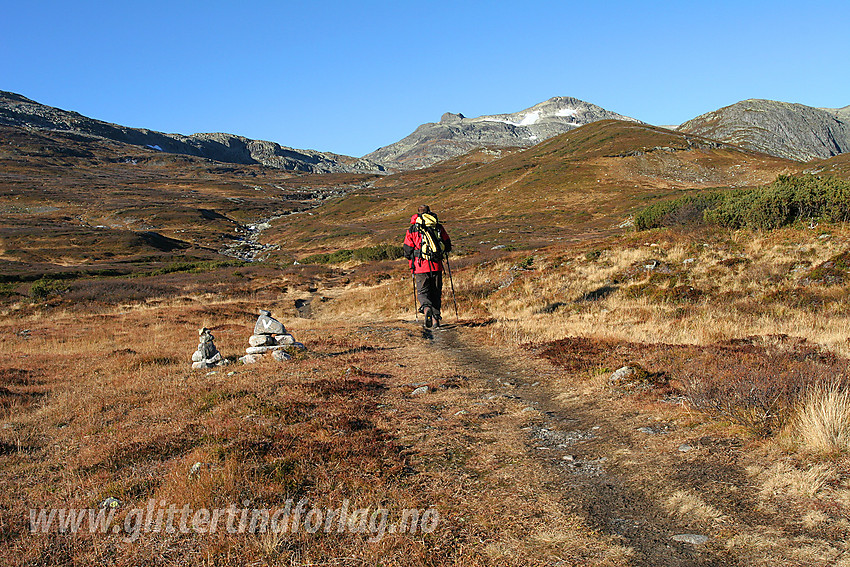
(413, 243)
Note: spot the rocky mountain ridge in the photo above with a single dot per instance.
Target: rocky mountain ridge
(455, 134)
(788, 130)
(19, 111)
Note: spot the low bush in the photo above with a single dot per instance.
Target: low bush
(786, 200)
(789, 199)
(689, 209)
(377, 253)
(45, 288)
(7, 289)
(757, 382)
(112, 291)
(193, 267)
(757, 385)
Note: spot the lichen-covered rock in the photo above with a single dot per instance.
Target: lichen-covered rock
(280, 355)
(261, 340)
(622, 375)
(262, 349)
(285, 339)
(268, 325)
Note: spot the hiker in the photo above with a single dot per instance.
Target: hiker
(425, 245)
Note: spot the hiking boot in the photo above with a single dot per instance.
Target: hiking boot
(429, 317)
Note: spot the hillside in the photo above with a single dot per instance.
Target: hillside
(69, 199)
(19, 111)
(584, 182)
(599, 395)
(455, 134)
(791, 131)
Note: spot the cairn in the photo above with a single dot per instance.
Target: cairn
(269, 336)
(207, 355)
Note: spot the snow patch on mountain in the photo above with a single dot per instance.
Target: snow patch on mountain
(527, 120)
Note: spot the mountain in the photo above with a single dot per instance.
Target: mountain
(576, 185)
(17, 110)
(455, 134)
(69, 199)
(792, 131)
(842, 113)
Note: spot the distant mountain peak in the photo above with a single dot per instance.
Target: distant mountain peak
(784, 129)
(19, 111)
(455, 134)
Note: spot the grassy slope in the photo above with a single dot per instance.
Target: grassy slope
(583, 182)
(67, 199)
(97, 399)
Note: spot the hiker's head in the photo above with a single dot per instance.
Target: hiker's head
(424, 209)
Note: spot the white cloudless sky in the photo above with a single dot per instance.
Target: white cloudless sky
(349, 77)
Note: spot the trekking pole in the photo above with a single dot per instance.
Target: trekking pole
(454, 299)
(415, 310)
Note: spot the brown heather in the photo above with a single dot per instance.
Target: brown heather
(734, 425)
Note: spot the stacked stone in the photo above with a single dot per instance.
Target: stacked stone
(269, 336)
(207, 355)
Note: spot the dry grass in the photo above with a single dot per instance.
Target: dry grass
(111, 409)
(823, 419)
(698, 292)
(784, 479)
(691, 507)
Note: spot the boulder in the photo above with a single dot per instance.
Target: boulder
(285, 339)
(260, 340)
(268, 325)
(280, 355)
(693, 539)
(262, 349)
(207, 350)
(622, 375)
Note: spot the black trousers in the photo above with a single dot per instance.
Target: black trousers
(429, 291)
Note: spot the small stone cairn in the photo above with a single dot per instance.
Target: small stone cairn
(207, 355)
(269, 336)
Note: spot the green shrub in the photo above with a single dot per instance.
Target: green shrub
(45, 287)
(684, 210)
(787, 200)
(330, 258)
(7, 289)
(193, 267)
(379, 252)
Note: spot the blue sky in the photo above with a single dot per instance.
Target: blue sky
(349, 77)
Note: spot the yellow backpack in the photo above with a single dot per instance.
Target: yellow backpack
(432, 248)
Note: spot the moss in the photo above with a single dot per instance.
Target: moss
(832, 272)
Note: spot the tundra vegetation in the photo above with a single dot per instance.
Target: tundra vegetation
(727, 299)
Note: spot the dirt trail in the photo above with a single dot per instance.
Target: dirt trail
(577, 442)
